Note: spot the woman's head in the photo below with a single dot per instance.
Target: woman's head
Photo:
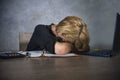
(73, 29)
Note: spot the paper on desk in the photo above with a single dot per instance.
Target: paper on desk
(47, 54)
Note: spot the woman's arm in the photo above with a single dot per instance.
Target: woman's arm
(62, 47)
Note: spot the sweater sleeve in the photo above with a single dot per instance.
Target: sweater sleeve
(50, 47)
(42, 38)
(32, 45)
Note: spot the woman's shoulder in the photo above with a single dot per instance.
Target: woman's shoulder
(41, 27)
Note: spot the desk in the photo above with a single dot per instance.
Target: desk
(72, 68)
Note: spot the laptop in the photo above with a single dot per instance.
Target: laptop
(115, 47)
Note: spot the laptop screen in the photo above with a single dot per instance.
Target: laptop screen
(116, 41)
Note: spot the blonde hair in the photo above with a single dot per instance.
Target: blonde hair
(74, 30)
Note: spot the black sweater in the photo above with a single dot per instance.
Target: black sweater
(42, 38)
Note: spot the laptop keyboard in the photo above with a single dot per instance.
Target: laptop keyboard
(99, 53)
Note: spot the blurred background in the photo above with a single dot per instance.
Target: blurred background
(23, 15)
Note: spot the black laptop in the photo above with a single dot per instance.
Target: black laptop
(115, 47)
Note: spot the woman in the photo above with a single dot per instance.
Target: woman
(69, 35)
(72, 29)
